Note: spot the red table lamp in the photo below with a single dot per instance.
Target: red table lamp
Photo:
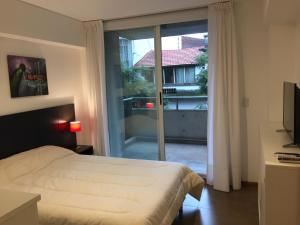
(75, 126)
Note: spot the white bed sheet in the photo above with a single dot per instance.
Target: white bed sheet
(94, 190)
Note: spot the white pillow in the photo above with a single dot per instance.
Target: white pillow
(32, 160)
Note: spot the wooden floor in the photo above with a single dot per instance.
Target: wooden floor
(219, 208)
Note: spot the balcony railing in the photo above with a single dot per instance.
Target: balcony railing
(185, 118)
(170, 102)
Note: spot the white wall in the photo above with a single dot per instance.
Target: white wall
(64, 73)
(269, 55)
(19, 18)
(297, 53)
(282, 66)
(32, 31)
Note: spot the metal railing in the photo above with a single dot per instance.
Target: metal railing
(170, 102)
(183, 122)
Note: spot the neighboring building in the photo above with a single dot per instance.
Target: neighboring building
(179, 66)
(126, 52)
(190, 42)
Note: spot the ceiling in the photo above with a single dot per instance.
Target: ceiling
(85, 10)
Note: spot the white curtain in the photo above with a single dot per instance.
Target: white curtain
(224, 147)
(95, 86)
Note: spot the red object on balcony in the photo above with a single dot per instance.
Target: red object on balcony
(75, 126)
(149, 105)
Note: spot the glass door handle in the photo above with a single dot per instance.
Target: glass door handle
(160, 98)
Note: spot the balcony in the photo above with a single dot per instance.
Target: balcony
(185, 122)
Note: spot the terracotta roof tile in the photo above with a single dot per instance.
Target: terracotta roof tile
(185, 56)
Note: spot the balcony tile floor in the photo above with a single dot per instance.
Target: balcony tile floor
(194, 156)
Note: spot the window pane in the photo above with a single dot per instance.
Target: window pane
(179, 72)
(190, 75)
(169, 76)
(131, 93)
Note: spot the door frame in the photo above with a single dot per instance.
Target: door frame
(159, 94)
(155, 21)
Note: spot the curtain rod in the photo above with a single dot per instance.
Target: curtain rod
(143, 15)
(129, 17)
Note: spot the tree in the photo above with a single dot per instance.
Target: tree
(202, 77)
(202, 81)
(135, 83)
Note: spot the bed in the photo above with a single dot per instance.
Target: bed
(94, 190)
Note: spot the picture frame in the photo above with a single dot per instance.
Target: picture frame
(27, 76)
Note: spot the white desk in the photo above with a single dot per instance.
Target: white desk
(279, 183)
(17, 208)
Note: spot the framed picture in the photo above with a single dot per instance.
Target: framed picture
(27, 76)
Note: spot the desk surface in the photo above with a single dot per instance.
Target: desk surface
(272, 141)
(11, 202)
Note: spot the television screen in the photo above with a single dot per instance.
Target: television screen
(288, 107)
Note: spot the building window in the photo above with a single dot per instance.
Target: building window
(190, 75)
(169, 75)
(179, 74)
(149, 74)
(126, 52)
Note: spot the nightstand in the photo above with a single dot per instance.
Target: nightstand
(84, 149)
(18, 208)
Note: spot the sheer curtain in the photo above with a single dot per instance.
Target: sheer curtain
(224, 147)
(95, 86)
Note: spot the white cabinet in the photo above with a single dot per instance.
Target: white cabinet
(279, 183)
(18, 208)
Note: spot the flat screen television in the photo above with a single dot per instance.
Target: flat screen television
(291, 110)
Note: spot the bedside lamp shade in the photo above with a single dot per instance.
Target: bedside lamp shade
(75, 126)
(60, 125)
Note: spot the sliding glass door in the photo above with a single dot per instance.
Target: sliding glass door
(132, 93)
(184, 49)
(156, 81)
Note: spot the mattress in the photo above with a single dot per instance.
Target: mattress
(94, 190)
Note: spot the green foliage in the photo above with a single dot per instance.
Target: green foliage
(202, 77)
(202, 59)
(135, 83)
(202, 82)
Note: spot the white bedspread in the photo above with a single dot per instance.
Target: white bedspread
(93, 190)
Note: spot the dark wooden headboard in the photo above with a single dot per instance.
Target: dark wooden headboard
(23, 131)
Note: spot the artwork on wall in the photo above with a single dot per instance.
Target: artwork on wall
(27, 76)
